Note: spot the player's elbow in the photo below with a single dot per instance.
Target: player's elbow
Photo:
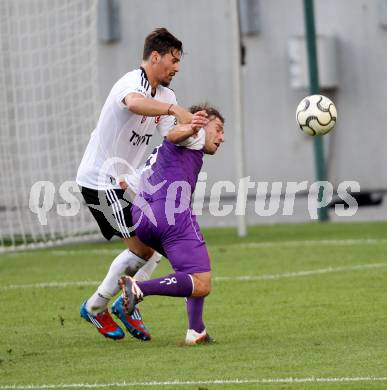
(132, 105)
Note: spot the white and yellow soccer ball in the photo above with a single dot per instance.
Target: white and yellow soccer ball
(316, 115)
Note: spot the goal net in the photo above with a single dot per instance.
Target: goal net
(48, 107)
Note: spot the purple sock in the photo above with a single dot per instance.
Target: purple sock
(195, 313)
(173, 285)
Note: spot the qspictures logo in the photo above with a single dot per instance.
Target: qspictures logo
(271, 198)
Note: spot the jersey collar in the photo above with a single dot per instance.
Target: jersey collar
(146, 76)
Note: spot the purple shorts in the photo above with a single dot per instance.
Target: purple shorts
(181, 242)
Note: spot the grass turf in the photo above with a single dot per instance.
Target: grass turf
(324, 325)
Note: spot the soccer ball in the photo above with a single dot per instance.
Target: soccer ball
(316, 115)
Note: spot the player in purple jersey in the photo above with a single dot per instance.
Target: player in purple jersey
(138, 104)
(163, 218)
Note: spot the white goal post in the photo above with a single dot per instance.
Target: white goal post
(48, 107)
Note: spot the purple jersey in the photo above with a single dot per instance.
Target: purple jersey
(163, 217)
(170, 164)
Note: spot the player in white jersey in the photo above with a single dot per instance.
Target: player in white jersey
(138, 104)
(120, 139)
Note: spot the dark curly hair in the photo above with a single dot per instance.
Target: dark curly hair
(162, 41)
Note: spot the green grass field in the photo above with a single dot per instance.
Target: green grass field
(289, 301)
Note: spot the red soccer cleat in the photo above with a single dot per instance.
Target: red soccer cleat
(103, 322)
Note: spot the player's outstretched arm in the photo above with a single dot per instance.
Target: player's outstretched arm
(140, 105)
(181, 132)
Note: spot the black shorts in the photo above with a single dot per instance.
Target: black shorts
(112, 211)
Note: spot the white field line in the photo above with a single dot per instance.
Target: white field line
(271, 244)
(244, 278)
(50, 285)
(267, 244)
(242, 245)
(199, 382)
(297, 274)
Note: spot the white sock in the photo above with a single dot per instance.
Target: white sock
(125, 262)
(145, 272)
(96, 303)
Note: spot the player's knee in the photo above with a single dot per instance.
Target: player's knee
(207, 287)
(145, 253)
(206, 290)
(200, 291)
(138, 248)
(202, 284)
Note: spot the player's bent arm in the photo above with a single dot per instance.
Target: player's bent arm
(140, 105)
(180, 133)
(181, 114)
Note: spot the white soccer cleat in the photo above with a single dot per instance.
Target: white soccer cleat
(193, 337)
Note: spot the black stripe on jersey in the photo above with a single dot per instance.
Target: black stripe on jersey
(144, 83)
(143, 73)
(144, 79)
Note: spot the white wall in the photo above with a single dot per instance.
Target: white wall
(275, 148)
(203, 27)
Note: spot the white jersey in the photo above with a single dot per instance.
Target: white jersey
(117, 145)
